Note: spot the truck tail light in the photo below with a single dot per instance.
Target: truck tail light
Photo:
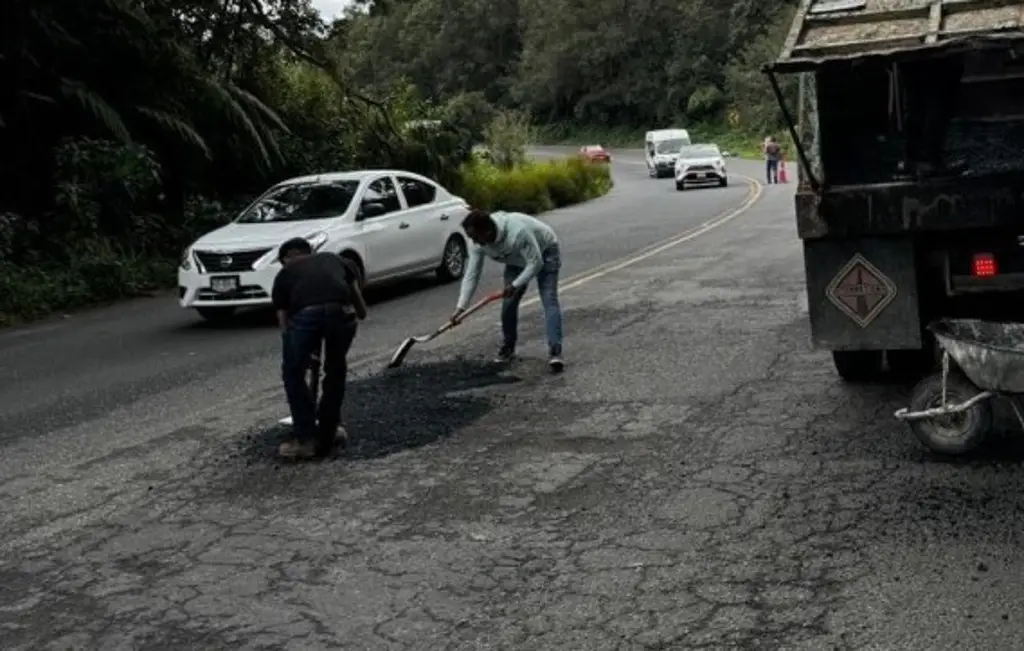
(984, 265)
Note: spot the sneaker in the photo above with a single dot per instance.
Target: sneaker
(505, 355)
(297, 449)
(327, 441)
(555, 364)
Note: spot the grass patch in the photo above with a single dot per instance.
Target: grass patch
(535, 186)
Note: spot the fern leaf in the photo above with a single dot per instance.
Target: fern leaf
(256, 103)
(46, 99)
(97, 107)
(237, 113)
(177, 126)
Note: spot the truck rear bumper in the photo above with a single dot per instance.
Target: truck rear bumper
(1011, 282)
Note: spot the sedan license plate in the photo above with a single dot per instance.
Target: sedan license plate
(224, 284)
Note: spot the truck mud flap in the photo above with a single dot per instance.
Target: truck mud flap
(862, 294)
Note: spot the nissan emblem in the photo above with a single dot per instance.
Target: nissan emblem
(226, 261)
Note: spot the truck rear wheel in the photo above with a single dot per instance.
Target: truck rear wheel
(910, 364)
(858, 365)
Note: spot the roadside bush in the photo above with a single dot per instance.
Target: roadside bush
(99, 275)
(533, 187)
(506, 138)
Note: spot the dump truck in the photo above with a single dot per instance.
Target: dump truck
(907, 117)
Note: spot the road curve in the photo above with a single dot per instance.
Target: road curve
(698, 478)
(67, 371)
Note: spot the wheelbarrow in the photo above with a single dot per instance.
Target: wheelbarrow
(951, 412)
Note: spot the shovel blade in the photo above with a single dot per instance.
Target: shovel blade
(403, 350)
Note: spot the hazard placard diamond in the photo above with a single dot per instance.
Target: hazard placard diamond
(861, 291)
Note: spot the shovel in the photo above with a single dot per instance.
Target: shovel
(403, 350)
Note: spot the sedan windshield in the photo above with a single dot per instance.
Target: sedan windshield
(700, 151)
(669, 146)
(301, 201)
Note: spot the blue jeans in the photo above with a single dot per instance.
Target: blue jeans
(772, 170)
(334, 327)
(547, 286)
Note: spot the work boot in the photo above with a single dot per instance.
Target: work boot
(505, 355)
(294, 449)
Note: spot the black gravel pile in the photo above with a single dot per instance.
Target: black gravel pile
(399, 409)
(986, 148)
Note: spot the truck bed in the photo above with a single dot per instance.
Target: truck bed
(896, 208)
(825, 30)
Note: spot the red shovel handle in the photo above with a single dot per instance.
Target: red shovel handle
(483, 302)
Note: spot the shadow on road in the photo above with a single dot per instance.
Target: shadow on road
(405, 408)
(263, 317)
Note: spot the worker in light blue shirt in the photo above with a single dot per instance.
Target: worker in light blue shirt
(529, 249)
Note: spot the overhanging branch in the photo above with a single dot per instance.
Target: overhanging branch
(305, 54)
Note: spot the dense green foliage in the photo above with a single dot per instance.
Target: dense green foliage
(586, 68)
(131, 126)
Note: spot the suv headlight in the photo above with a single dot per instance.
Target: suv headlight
(186, 260)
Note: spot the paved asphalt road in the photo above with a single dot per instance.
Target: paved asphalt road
(697, 479)
(59, 374)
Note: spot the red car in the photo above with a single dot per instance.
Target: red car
(595, 154)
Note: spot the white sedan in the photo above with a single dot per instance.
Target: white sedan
(393, 224)
(700, 164)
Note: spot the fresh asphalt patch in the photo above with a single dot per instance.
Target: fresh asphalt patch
(408, 407)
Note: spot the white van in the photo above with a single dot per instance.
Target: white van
(661, 148)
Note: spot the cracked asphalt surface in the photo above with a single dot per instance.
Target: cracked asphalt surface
(696, 479)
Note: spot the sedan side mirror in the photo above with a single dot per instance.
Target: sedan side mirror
(370, 210)
(726, 154)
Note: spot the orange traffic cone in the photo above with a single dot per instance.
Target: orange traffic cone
(783, 177)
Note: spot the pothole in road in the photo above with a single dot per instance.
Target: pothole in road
(405, 408)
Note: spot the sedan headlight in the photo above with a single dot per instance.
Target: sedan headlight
(186, 260)
(317, 240)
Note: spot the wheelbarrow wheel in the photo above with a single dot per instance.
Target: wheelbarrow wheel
(953, 434)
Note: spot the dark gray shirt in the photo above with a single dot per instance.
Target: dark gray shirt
(317, 279)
